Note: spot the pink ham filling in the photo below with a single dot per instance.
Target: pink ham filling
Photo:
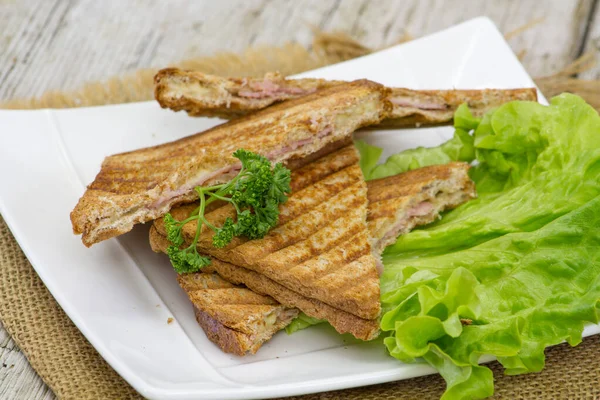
(378, 264)
(299, 143)
(267, 88)
(186, 188)
(165, 198)
(420, 210)
(407, 102)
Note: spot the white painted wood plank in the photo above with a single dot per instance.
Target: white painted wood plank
(17, 379)
(67, 43)
(6, 341)
(549, 45)
(593, 45)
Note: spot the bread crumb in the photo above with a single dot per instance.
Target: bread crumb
(158, 306)
(169, 320)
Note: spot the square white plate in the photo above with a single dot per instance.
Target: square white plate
(120, 294)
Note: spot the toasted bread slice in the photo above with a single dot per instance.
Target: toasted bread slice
(342, 321)
(236, 318)
(437, 107)
(144, 184)
(212, 96)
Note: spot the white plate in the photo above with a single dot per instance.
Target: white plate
(120, 294)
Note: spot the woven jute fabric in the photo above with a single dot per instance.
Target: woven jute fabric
(74, 370)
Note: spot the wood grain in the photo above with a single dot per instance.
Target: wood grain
(17, 379)
(592, 43)
(60, 44)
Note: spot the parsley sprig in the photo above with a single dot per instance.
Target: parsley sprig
(255, 192)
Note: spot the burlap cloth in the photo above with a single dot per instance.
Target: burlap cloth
(74, 370)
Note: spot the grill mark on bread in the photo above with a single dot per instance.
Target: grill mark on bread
(300, 228)
(342, 321)
(386, 208)
(252, 256)
(332, 260)
(321, 285)
(316, 174)
(317, 193)
(285, 234)
(318, 243)
(352, 272)
(298, 257)
(323, 167)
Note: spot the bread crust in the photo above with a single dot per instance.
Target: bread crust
(212, 96)
(232, 341)
(342, 321)
(235, 318)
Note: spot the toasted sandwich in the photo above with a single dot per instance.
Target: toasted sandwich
(143, 185)
(342, 321)
(319, 249)
(212, 96)
(396, 205)
(236, 318)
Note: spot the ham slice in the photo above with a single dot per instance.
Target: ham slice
(267, 88)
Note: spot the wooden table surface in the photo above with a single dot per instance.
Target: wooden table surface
(61, 44)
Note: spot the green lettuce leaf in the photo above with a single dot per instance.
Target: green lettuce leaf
(521, 184)
(369, 156)
(510, 297)
(517, 269)
(302, 321)
(459, 148)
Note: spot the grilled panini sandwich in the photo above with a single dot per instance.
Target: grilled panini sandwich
(318, 258)
(396, 205)
(212, 96)
(236, 318)
(144, 184)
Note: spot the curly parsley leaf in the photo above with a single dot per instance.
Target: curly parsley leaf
(255, 193)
